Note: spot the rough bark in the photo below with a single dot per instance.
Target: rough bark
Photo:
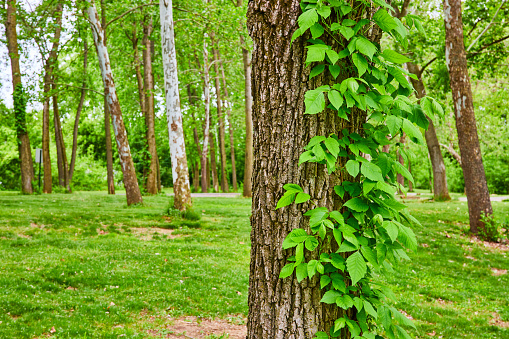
(180, 170)
(148, 80)
(24, 149)
(248, 105)
(133, 194)
(440, 190)
(206, 129)
(400, 179)
(230, 124)
(78, 111)
(473, 169)
(107, 122)
(220, 118)
(48, 76)
(284, 308)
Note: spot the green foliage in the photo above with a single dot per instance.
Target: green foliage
(368, 229)
(491, 229)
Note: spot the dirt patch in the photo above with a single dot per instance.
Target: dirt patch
(496, 272)
(191, 327)
(492, 246)
(147, 233)
(497, 321)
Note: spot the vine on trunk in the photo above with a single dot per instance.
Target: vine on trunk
(369, 232)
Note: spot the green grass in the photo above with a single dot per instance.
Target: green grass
(79, 263)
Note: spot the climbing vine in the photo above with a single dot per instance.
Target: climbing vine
(370, 232)
(20, 100)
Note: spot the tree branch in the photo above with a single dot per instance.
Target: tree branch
(470, 55)
(82, 88)
(129, 11)
(452, 152)
(487, 27)
(426, 66)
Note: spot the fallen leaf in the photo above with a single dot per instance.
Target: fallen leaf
(53, 330)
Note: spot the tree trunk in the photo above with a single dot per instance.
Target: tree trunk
(18, 96)
(48, 76)
(248, 100)
(78, 111)
(107, 122)
(284, 308)
(410, 185)
(196, 177)
(440, 190)
(206, 130)
(213, 160)
(230, 125)
(400, 178)
(63, 169)
(473, 170)
(148, 79)
(219, 104)
(133, 194)
(180, 171)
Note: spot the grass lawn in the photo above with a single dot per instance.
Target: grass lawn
(88, 266)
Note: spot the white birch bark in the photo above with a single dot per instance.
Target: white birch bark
(133, 193)
(206, 93)
(179, 168)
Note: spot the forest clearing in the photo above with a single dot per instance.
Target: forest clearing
(254, 169)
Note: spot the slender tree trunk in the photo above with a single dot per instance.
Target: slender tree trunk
(213, 160)
(248, 101)
(196, 179)
(48, 75)
(400, 179)
(220, 118)
(208, 173)
(148, 79)
(476, 187)
(230, 124)
(63, 169)
(78, 111)
(284, 308)
(107, 122)
(441, 192)
(206, 130)
(410, 185)
(133, 194)
(18, 96)
(179, 167)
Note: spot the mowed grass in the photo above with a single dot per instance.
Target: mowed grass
(91, 267)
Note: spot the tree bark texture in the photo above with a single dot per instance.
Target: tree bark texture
(24, 149)
(284, 308)
(179, 167)
(230, 124)
(133, 193)
(220, 118)
(49, 66)
(440, 190)
(206, 129)
(213, 159)
(148, 79)
(473, 169)
(399, 178)
(248, 105)
(78, 111)
(63, 168)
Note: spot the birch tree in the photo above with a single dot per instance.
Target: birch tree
(180, 172)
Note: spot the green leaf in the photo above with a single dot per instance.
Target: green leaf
(345, 9)
(371, 171)
(314, 141)
(307, 19)
(384, 20)
(306, 156)
(298, 32)
(324, 281)
(285, 200)
(347, 32)
(316, 53)
(369, 309)
(395, 57)
(336, 215)
(369, 255)
(298, 235)
(366, 47)
(402, 333)
(317, 30)
(324, 11)
(401, 318)
(321, 335)
(407, 237)
(311, 243)
(302, 197)
(333, 56)
(403, 171)
(357, 204)
(301, 271)
(412, 131)
(353, 327)
(345, 302)
(334, 70)
(299, 253)
(286, 271)
(335, 98)
(339, 324)
(398, 75)
(317, 215)
(293, 188)
(315, 102)
(330, 297)
(356, 267)
(311, 267)
(316, 71)
(319, 152)
(332, 146)
(346, 247)
(338, 236)
(392, 229)
(348, 22)
(360, 63)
